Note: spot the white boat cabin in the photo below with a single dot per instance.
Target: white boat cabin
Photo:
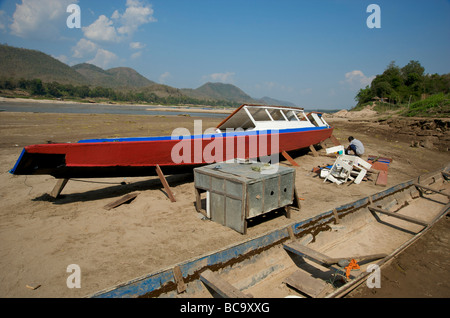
(261, 117)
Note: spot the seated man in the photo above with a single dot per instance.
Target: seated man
(356, 146)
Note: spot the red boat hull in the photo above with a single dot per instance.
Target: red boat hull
(139, 158)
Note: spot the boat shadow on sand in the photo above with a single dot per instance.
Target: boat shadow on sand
(116, 189)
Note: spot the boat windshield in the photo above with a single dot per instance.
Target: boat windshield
(266, 117)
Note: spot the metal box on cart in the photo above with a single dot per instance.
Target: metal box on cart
(236, 192)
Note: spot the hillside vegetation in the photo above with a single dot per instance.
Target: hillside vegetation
(218, 91)
(17, 63)
(30, 73)
(119, 77)
(407, 91)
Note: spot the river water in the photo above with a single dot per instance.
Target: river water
(96, 109)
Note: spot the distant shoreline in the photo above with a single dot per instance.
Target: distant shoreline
(192, 109)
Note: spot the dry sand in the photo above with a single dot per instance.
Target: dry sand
(42, 237)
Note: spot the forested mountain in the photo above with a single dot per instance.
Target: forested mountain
(36, 73)
(18, 63)
(271, 101)
(119, 77)
(219, 91)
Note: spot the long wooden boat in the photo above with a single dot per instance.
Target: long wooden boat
(251, 131)
(368, 232)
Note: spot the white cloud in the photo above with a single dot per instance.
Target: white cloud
(357, 78)
(137, 45)
(103, 58)
(164, 77)
(136, 55)
(273, 86)
(40, 19)
(101, 30)
(135, 15)
(3, 20)
(121, 25)
(220, 77)
(84, 48)
(62, 58)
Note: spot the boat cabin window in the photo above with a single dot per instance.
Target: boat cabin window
(259, 114)
(302, 116)
(277, 114)
(291, 116)
(263, 117)
(317, 119)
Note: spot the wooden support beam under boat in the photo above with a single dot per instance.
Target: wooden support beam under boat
(59, 186)
(165, 184)
(313, 150)
(220, 286)
(334, 140)
(399, 216)
(289, 158)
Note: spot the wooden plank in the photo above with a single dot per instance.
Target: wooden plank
(220, 286)
(360, 176)
(165, 184)
(430, 189)
(289, 158)
(378, 158)
(59, 186)
(299, 249)
(297, 199)
(313, 150)
(336, 217)
(382, 178)
(399, 216)
(380, 166)
(291, 233)
(122, 200)
(305, 283)
(360, 258)
(287, 208)
(335, 141)
(181, 287)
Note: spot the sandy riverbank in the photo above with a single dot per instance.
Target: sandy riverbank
(41, 237)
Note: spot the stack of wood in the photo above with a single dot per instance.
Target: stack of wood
(381, 165)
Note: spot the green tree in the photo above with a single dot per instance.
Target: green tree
(413, 67)
(54, 89)
(36, 87)
(364, 95)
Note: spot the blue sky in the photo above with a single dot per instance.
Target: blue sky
(316, 54)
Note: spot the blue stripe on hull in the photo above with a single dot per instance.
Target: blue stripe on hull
(232, 134)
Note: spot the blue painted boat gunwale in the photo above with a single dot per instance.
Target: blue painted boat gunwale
(17, 162)
(154, 281)
(205, 136)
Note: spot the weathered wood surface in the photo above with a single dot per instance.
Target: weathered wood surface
(220, 286)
